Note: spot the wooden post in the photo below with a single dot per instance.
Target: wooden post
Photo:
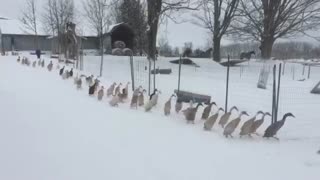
(179, 76)
(227, 84)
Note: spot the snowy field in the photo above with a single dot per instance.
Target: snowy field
(49, 130)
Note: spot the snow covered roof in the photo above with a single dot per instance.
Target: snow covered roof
(111, 27)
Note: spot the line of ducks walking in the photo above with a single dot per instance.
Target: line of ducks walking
(121, 95)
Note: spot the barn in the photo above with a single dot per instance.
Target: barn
(13, 37)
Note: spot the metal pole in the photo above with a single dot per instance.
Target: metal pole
(294, 71)
(132, 72)
(284, 67)
(101, 46)
(179, 76)
(81, 57)
(149, 88)
(274, 94)
(2, 46)
(154, 73)
(309, 71)
(278, 93)
(227, 85)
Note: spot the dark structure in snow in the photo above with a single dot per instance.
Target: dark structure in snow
(185, 96)
(161, 71)
(184, 61)
(233, 62)
(247, 55)
(316, 89)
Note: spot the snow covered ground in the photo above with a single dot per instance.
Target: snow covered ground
(49, 130)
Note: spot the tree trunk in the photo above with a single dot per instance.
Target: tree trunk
(216, 48)
(152, 40)
(154, 9)
(266, 47)
(216, 38)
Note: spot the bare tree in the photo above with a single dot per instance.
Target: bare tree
(29, 19)
(158, 8)
(97, 15)
(56, 16)
(164, 47)
(216, 17)
(268, 20)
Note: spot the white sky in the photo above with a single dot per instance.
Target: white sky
(177, 34)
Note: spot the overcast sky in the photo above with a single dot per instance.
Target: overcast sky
(177, 34)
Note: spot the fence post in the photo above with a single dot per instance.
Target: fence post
(274, 94)
(227, 84)
(309, 71)
(293, 71)
(179, 78)
(132, 72)
(278, 94)
(154, 73)
(149, 86)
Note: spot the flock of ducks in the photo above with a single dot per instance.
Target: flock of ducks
(117, 95)
(248, 128)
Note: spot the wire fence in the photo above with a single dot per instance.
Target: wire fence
(209, 78)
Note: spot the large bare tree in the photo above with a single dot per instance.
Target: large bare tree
(268, 20)
(216, 17)
(97, 15)
(158, 8)
(56, 16)
(29, 19)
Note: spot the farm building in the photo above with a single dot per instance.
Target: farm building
(13, 37)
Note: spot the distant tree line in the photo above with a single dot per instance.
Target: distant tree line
(281, 50)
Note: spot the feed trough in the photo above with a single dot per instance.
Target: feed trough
(185, 96)
(233, 62)
(161, 71)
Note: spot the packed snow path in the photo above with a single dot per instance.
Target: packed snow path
(49, 130)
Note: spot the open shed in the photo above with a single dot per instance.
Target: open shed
(120, 32)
